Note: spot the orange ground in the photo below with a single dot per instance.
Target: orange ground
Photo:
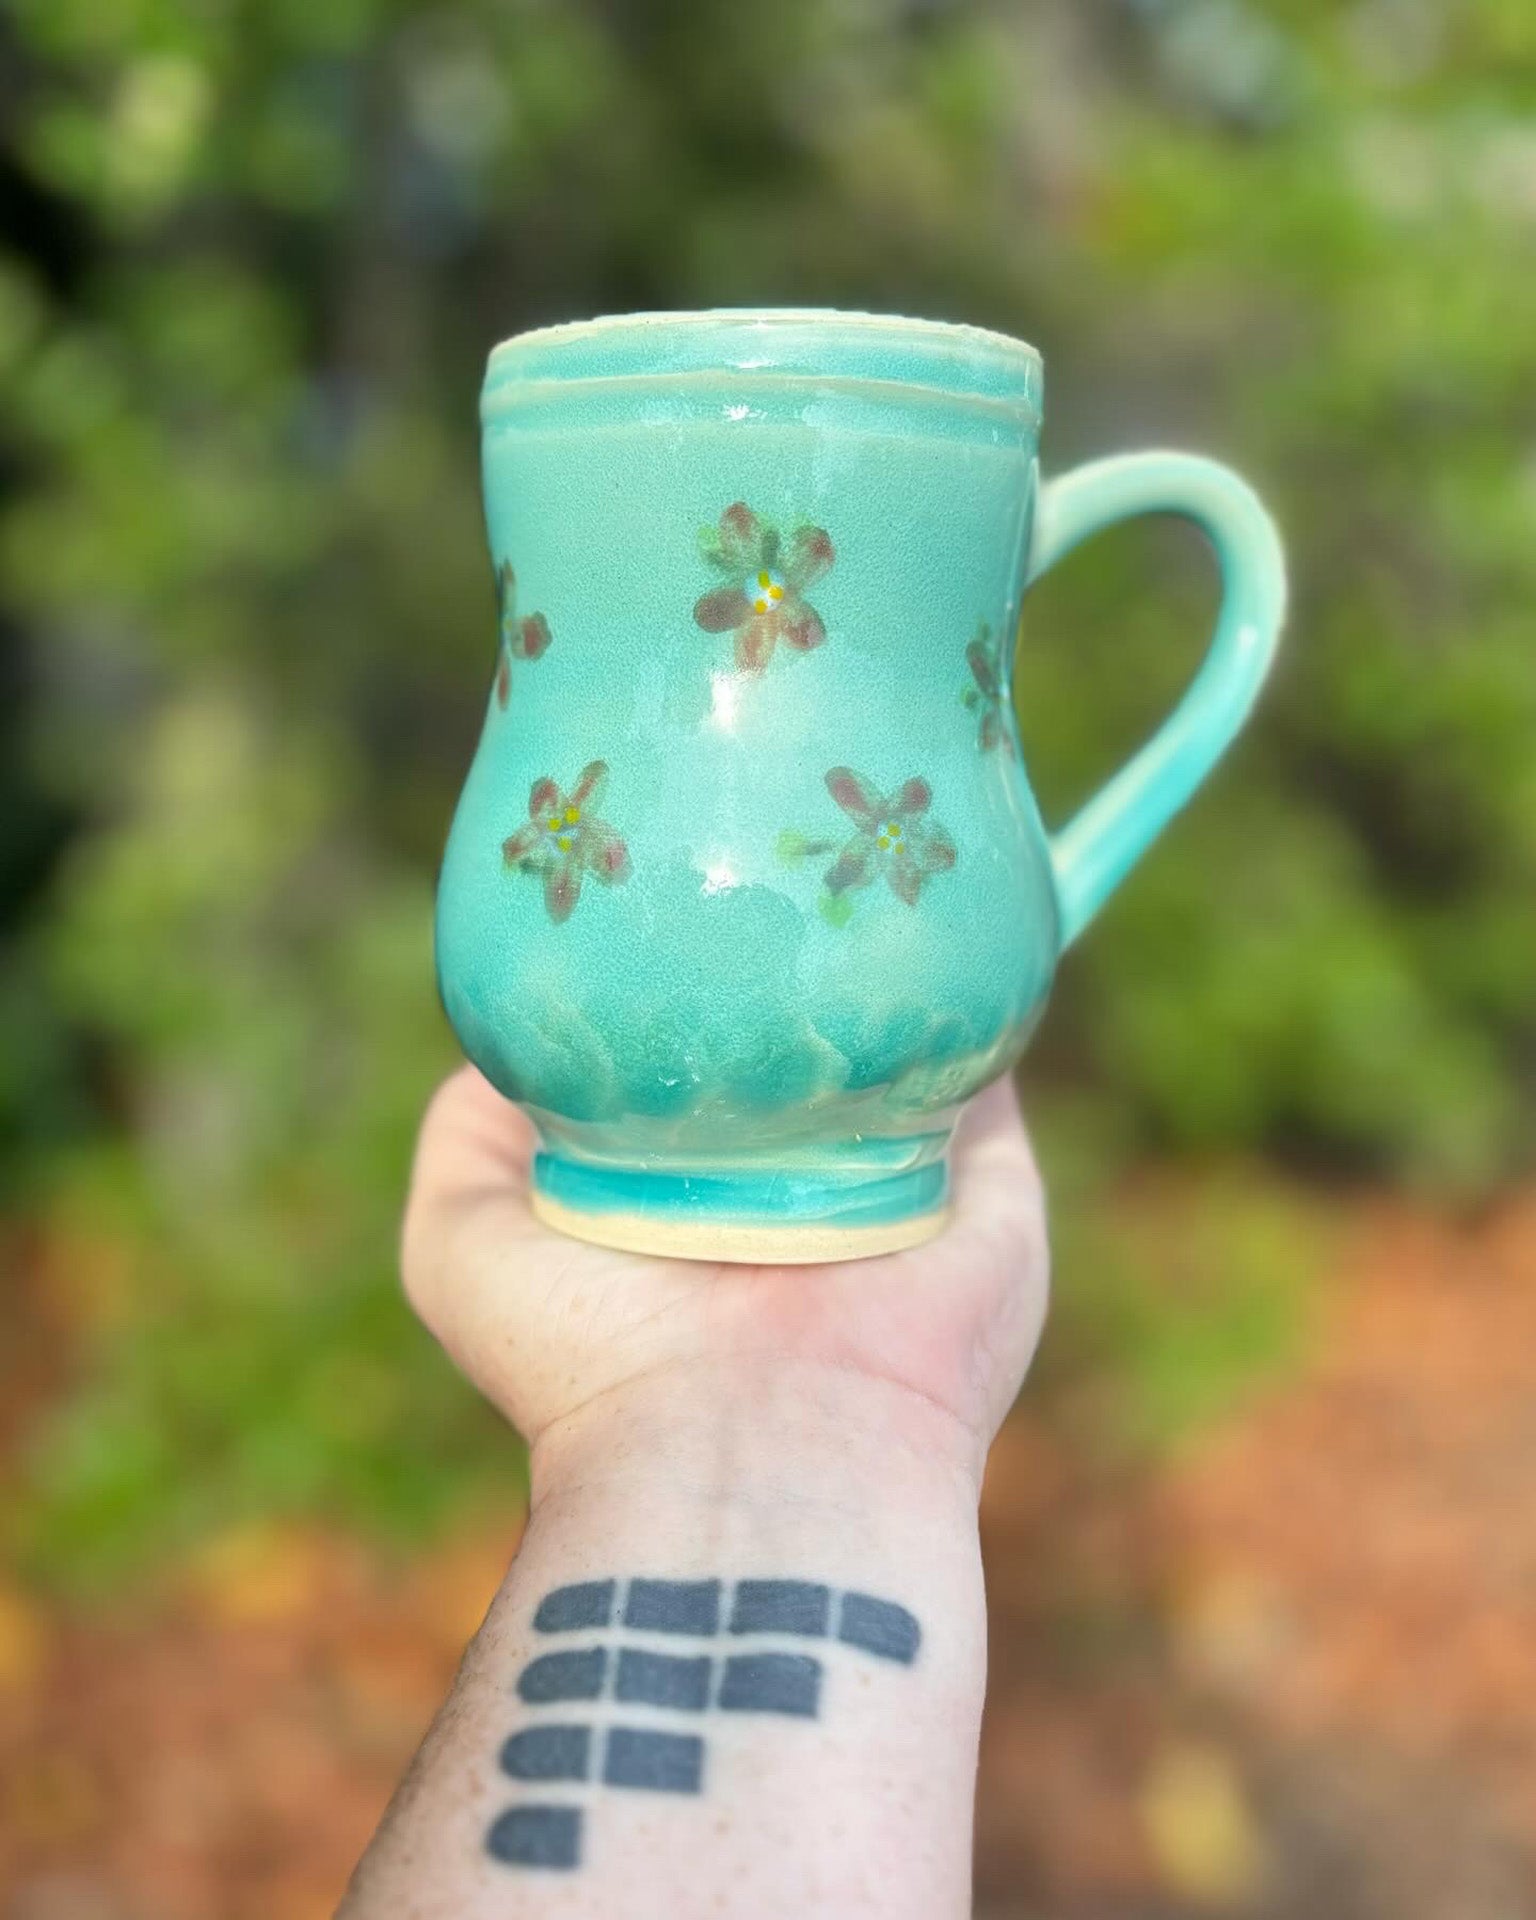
(1291, 1674)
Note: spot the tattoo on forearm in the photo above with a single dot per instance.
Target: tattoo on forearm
(617, 1667)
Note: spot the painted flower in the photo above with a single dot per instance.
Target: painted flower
(894, 841)
(768, 574)
(987, 697)
(564, 839)
(520, 639)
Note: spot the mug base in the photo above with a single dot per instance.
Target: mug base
(811, 1244)
(749, 1216)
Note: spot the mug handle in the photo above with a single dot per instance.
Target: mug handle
(1096, 849)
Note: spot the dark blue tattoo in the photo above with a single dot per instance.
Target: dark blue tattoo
(662, 1680)
(771, 1683)
(564, 1676)
(620, 1671)
(654, 1762)
(537, 1837)
(567, 1608)
(548, 1753)
(879, 1627)
(781, 1606)
(674, 1606)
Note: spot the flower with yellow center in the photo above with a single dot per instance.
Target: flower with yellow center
(768, 573)
(563, 826)
(895, 841)
(565, 838)
(765, 591)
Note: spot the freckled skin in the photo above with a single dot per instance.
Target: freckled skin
(693, 1424)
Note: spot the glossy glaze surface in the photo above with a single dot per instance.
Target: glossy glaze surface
(747, 890)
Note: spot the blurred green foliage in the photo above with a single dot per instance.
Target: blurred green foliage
(253, 257)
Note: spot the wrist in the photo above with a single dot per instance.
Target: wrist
(764, 1585)
(748, 1444)
(784, 1472)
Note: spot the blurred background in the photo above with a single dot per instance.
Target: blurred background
(1259, 1537)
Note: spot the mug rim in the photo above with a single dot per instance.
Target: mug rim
(953, 357)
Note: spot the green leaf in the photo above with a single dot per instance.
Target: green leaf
(835, 908)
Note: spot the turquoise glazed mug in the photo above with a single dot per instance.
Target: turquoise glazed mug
(747, 890)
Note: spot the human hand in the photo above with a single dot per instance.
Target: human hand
(546, 1326)
(724, 1435)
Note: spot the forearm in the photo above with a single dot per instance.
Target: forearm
(816, 1752)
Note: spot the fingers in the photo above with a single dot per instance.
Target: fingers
(992, 1149)
(471, 1138)
(473, 1153)
(993, 1112)
(998, 1197)
(999, 1225)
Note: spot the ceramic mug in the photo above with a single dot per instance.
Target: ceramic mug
(747, 890)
